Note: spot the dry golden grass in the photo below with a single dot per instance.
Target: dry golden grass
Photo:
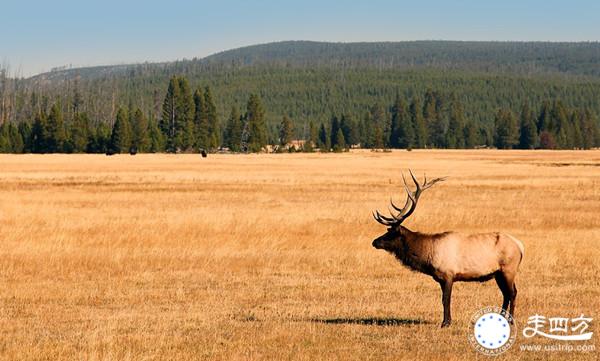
(256, 256)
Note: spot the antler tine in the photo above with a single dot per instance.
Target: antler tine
(410, 194)
(401, 210)
(387, 219)
(378, 217)
(412, 199)
(415, 196)
(433, 181)
(416, 181)
(396, 217)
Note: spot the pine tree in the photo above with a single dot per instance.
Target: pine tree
(214, 131)
(378, 137)
(438, 131)
(178, 112)
(324, 142)
(590, 131)
(418, 122)
(595, 128)
(25, 132)
(286, 131)
(38, 134)
(528, 130)
(257, 128)
(55, 130)
(340, 142)
(120, 139)
(431, 117)
(576, 126)
(350, 131)
(156, 139)
(5, 145)
(456, 125)
(403, 131)
(184, 117)
(233, 131)
(334, 126)
(201, 121)
(99, 139)
(367, 131)
(15, 139)
(381, 127)
(139, 126)
(486, 135)
(79, 133)
(168, 122)
(544, 120)
(313, 134)
(471, 135)
(395, 123)
(506, 135)
(560, 125)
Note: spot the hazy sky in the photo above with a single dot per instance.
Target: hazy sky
(38, 35)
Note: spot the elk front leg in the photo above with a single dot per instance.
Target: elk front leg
(446, 296)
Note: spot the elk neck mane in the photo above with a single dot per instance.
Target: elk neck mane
(415, 250)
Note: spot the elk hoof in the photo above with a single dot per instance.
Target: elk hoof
(446, 323)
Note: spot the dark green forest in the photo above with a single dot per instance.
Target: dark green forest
(375, 95)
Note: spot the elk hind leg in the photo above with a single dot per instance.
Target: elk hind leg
(509, 291)
(512, 300)
(502, 284)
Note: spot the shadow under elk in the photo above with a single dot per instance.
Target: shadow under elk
(450, 256)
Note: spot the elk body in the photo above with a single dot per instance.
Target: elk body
(450, 256)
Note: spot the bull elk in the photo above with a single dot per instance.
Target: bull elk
(450, 256)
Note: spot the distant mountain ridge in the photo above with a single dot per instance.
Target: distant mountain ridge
(577, 58)
(525, 58)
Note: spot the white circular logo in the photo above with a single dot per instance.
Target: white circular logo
(492, 331)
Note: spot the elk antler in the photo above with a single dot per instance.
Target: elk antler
(411, 201)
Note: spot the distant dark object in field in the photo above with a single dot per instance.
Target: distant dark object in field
(204, 154)
(133, 151)
(110, 152)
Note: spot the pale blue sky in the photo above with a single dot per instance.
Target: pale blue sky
(38, 35)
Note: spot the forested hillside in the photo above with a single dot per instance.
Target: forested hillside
(309, 82)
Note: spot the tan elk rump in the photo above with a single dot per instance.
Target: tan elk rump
(450, 256)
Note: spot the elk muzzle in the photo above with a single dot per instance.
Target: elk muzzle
(379, 243)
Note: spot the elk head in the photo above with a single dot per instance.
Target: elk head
(391, 241)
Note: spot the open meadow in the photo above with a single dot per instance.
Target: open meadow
(176, 257)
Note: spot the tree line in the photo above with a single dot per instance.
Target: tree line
(302, 93)
(189, 122)
(437, 121)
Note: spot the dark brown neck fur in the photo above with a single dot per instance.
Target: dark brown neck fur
(414, 250)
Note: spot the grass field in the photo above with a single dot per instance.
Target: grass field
(269, 256)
